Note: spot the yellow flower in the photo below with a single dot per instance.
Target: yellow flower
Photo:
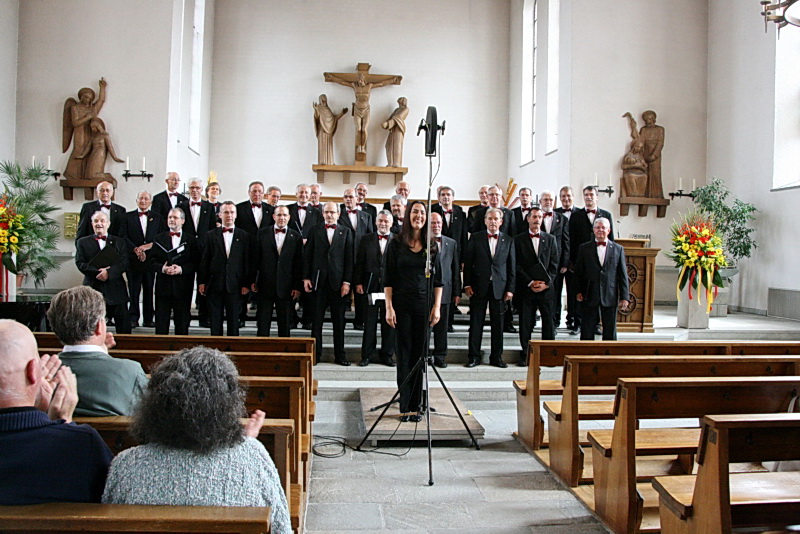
(13, 239)
(685, 247)
(3, 232)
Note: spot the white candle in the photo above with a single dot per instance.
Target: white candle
(127, 163)
(144, 168)
(694, 184)
(680, 184)
(48, 163)
(33, 161)
(610, 178)
(595, 179)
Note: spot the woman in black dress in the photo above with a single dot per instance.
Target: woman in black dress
(407, 309)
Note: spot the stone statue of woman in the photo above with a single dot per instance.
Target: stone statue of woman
(77, 130)
(396, 124)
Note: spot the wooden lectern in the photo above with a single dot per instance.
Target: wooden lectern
(641, 264)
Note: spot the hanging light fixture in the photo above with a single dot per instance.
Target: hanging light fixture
(781, 13)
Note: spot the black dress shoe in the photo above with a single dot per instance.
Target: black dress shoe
(358, 327)
(344, 363)
(389, 362)
(450, 329)
(597, 331)
(134, 324)
(364, 362)
(522, 363)
(573, 332)
(498, 363)
(439, 363)
(404, 419)
(150, 324)
(472, 363)
(415, 418)
(204, 323)
(241, 323)
(306, 326)
(109, 322)
(509, 329)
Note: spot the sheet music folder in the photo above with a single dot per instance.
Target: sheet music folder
(174, 254)
(539, 273)
(106, 258)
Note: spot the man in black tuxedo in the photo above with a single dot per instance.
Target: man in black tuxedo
(174, 254)
(361, 202)
(451, 287)
(108, 279)
(495, 196)
(213, 192)
(200, 217)
(566, 275)
(521, 212)
(489, 278)
(535, 290)
(580, 231)
(361, 224)
(314, 196)
(279, 256)
(483, 197)
(140, 227)
(224, 273)
(398, 209)
(328, 271)
(403, 190)
(169, 198)
(602, 279)
(454, 220)
(368, 278)
(557, 225)
(273, 196)
(115, 212)
(302, 216)
(252, 215)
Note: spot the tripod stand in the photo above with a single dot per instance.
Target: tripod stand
(423, 359)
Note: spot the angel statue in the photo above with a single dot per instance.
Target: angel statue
(77, 129)
(634, 166)
(98, 149)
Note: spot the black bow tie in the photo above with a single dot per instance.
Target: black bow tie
(227, 230)
(280, 230)
(175, 234)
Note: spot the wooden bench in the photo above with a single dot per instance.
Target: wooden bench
(92, 517)
(717, 500)
(530, 424)
(616, 499)
(565, 456)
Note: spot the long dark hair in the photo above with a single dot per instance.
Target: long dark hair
(406, 234)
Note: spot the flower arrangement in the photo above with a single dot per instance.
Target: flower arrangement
(12, 226)
(697, 251)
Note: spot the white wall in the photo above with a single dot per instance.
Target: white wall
(269, 57)
(9, 20)
(742, 144)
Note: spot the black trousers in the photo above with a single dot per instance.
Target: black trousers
(440, 333)
(229, 303)
(412, 325)
(592, 313)
(530, 303)
(137, 282)
(573, 314)
(264, 315)
(325, 297)
(360, 303)
(179, 306)
(376, 315)
(122, 319)
(477, 315)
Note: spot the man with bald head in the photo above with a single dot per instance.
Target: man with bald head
(403, 189)
(115, 212)
(46, 457)
(169, 198)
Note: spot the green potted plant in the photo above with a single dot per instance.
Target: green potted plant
(26, 192)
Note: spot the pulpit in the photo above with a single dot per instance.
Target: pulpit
(641, 266)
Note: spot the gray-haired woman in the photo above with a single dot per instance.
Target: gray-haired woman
(193, 450)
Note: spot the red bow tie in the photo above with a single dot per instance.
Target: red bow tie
(534, 235)
(175, 234)
(174, 194)
(493, 236)
(438, 239)
(548, 214)
(448, 212)
(601, 243)
(352, 211)
(193, 203)
(330, 227)
(280, 230)
(144, 213)
(99, 237)
(382, 236)
(106, 206)
(591, 211)
(302, 207)
(227, 230)
(254, 205)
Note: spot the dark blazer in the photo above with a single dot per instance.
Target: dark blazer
(85, 220)
(479, 223)
(480, 266)
(278, 274)
(471, 212)
(313, 218)
(115, 289)
(182, 285)
(162, 205)
(206, 221)
(367, 208)
(602, 285)
(559, 228)
(365, 226)
(580, 230)
(220, 273)
(246, 221)
(132, 232)
(527, 257)
(329, 265)
(451, 269)
(369, 259)
(458, 229)
(520, 223)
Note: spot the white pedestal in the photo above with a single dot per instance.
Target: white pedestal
(693, 313)
(8, 283)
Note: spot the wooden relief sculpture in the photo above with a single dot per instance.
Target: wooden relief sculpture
(77, 129)
(362, 83)
(641, 168)
(634, 166)
(653, 137)
(97, 151)
(325, 123)
(396, 124)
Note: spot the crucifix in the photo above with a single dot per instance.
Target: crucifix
(362, 83)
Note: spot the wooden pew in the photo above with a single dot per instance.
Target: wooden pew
(92, 517)
(530, 424)
(565, 456)
(617, 499)
(717, 500)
